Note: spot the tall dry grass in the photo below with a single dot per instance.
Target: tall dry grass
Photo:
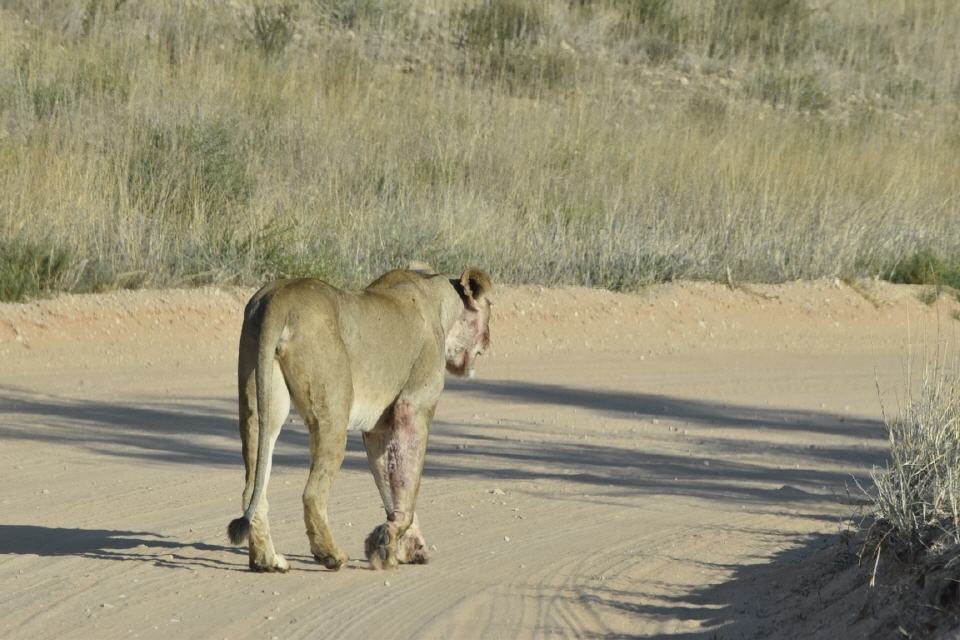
(911, 539)
(604, 142)
(917, 494)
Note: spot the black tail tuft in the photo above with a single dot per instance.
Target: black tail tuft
(238, 530)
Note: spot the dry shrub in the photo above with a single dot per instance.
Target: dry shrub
(911, 540)
(29, 269)
(496, 24)
(503, 41)
(917, 495)
(777, 30)
(786, 87)
(380, 15)
(272, 27)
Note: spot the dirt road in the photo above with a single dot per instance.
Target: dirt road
(621, 467)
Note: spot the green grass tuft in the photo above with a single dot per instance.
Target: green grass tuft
(784, 87)
(773, 30)
(926, 267)
(30, 269)
(497, 24)
(194, 171)
(272, 27)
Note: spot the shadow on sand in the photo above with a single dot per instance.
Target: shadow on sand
(645, 405)
(812, 589)
(143, 546)
(204, 432)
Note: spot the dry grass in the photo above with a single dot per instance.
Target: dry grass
(917, 495)
(911, 539)
(610, 143)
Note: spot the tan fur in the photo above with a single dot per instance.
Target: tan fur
(371, 360)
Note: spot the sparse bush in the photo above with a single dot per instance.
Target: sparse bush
(863, 47)
(647, 18)
(191, 172)
(49, 98)
(107, 75)
(783, 87)
(768, 29)
(911, 538)
(94, 11)
(709, 110)
(355, 14)
(925, 267)
(497, 24)
(29, 269)
(527, 70)
(503, 41)
(657, 49)
(643, 13)
(652, 27)
(342, 66)
(917, 495)
(272, 27)
(898, 87)
(92, 79)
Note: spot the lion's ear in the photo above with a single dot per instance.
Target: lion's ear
(421, 267)
(475, 285)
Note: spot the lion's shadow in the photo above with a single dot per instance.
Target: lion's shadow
(135, 546)
(109, 544)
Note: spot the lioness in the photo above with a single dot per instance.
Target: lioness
(370, 360)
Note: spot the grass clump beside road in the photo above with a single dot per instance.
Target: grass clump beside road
(28, 270)
(913, 540)
(608, 143)
(926, 267)
(918, 492)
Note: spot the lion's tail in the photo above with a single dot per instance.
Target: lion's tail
(271, 328)
(239, 530)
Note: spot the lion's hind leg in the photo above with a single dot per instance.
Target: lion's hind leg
(324, 403)
(262, 555)
(328, 444)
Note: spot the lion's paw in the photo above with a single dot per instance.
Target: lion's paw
(381, 548)
(279, 564)
(411, 549)
(331, 561)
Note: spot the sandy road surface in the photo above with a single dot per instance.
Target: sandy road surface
(616, 470)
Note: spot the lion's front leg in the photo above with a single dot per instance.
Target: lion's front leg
(395, 451)
(385, 551)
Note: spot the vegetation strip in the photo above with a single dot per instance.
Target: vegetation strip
(610, 143)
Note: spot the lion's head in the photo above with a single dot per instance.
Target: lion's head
(469, 336)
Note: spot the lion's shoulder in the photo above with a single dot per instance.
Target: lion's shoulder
(399, 278)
